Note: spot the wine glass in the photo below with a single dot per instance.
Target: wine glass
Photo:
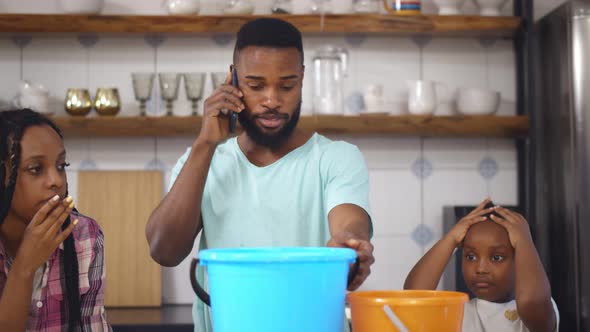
(169, 83)
(218, 78)
(194, 84)
(142, 88)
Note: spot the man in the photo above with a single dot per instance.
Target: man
(274, 184)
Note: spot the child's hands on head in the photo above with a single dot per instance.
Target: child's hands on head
(458, 232)
(514, 223)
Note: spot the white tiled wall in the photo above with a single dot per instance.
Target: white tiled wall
(411, 178)
(10, 68)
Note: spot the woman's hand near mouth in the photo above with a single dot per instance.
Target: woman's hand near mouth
(44, 234)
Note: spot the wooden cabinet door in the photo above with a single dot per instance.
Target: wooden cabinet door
(121, 202)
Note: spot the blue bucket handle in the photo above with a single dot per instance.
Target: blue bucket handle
(206, 298)
(201, 293)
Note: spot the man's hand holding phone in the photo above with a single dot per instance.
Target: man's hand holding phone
(224, 101)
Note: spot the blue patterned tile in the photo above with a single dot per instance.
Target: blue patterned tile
(356, 39)
(422, 168)
(22, 40)
(487, 42)
(422, 235)
(222, 39)
(155, 165)
(88, 41)
(488, 168)
(87, 165)
(154, 40)
(421, 41)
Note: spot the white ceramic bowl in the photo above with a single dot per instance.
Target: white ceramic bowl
(183, 7)
(240, 7)
(88, 7)
(490, 7)
(473, 101)
(449, 7)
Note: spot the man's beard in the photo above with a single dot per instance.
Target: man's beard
(270, 140)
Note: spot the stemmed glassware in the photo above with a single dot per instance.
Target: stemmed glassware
(169, 83)
(194, 84)
(142, 88)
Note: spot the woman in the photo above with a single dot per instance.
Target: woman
(51, 257)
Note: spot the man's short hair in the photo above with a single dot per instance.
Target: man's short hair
(268, 32)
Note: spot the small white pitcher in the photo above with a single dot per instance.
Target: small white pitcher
(422, 97)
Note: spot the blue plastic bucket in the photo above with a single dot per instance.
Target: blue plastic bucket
(276, 289)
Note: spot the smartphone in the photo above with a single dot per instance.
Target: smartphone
(233, 116)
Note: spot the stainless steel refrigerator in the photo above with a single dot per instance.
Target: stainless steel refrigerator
(560, 151)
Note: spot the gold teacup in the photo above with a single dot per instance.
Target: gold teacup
(107, 101)
(78, 102)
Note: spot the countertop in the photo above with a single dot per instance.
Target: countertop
(176, 318)
(169, 318)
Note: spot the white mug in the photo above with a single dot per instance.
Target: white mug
(373, 97)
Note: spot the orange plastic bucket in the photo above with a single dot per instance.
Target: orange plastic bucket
(419, 311)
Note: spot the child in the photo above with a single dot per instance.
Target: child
(51, 257)
(500, 266)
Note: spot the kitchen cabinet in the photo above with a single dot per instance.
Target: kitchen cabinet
(133, 278)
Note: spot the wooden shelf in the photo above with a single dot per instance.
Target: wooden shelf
(405, 125)
(458, 26)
